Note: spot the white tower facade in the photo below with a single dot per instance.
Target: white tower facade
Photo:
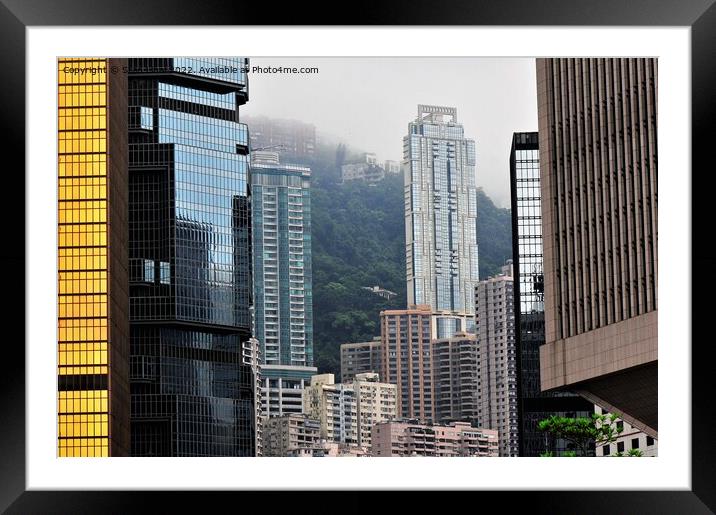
(440, 214)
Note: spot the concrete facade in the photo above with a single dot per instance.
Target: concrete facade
(455, 377)
(360, 357)
(375, 402)
(497, 359)
(281, 388)
(334, 406)
(370, 173)
(598, 170)
(392, 167)
(289, 435)
(630, 438)
(347, 411)
(411, 438)
(406, 360)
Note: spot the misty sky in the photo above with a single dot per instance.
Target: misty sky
(368, 102)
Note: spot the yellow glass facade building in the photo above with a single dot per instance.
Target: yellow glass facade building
(93, 393)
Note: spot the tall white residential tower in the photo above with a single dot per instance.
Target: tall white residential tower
(440, 216)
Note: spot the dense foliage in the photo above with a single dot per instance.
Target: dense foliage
(583, 433)
(494, 235)
(358, 240)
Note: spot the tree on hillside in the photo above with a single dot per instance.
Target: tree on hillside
(494, 235)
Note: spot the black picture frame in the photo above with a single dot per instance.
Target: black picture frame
(17, 15)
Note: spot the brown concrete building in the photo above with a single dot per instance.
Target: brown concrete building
(598, 167)
(455, 377)
(406, 361)
(359, 358)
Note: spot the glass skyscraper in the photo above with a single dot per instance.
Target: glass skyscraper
(440, 215)
(189, 258)
(534, 405)
(283, 305)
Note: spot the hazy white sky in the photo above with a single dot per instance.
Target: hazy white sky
(368, 102)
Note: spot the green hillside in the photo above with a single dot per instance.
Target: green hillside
(358, 240)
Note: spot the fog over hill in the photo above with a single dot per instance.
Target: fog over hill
(358, 240)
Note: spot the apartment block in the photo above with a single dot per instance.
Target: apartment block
(497, 359)
(281, 388)
(367, 170)
(289, 435)
(281, 255)
(406, 359)
(360, 357)
(348, 411)
(334, 406)
(375, 402)
(456, 377)
(411, 438)
(440, 211)
(336, 450)
(392, 167)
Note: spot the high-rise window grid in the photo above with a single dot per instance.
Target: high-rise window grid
(192, 392)
(282, 262)
(497, 394)
(406, 360)
(83, 243)
(440, 212)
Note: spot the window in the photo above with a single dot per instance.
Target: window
(146, 118)
(606, 450)
(148, 274)
(649, 441)
(620, 446)
(635, 443)
(164, 272)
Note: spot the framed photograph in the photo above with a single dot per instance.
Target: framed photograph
(429, 234)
